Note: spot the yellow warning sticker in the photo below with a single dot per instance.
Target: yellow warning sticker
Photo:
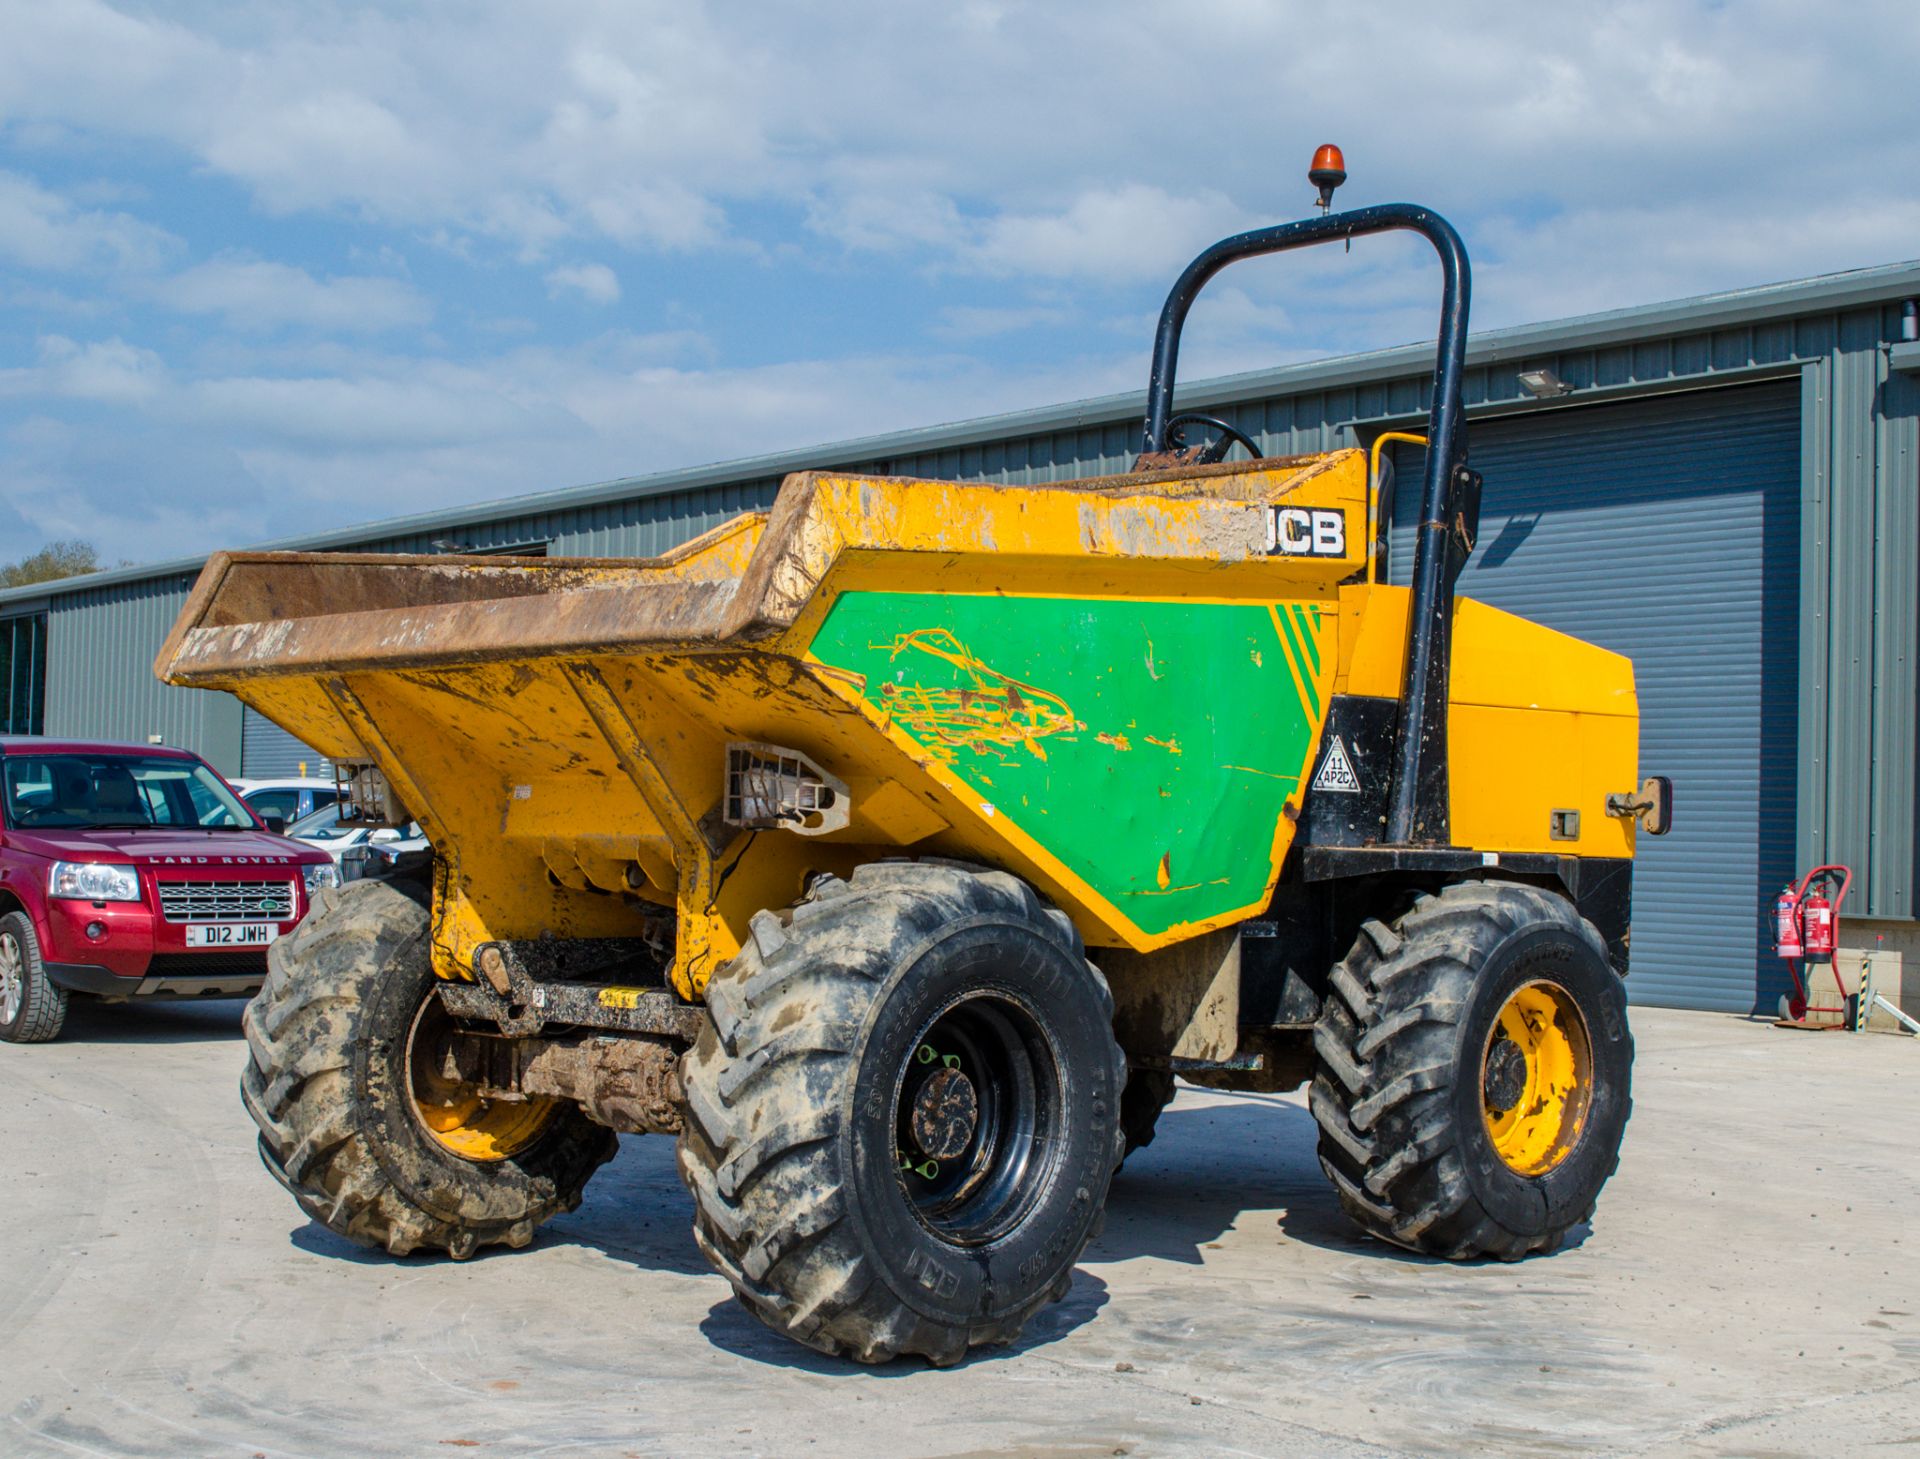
(621, 997)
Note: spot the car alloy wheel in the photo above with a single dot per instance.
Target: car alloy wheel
(13, 978)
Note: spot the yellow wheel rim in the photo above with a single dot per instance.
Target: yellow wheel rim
(1536, 1079)
(454, 1112)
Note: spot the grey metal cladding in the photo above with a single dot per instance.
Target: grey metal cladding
(100, 683)
(268, 752)
(1668, 530)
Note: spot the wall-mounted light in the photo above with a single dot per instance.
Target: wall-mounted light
(1910, 320)
(1543, 384)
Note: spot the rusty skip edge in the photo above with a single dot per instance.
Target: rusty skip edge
(369, 610)
(282, 613)
(254, 615)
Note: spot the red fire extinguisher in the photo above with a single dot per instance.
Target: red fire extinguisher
(1805, 930)
(1816, 925)
(1786, 924)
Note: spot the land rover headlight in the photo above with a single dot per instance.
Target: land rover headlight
(93, 881)
(321, 874)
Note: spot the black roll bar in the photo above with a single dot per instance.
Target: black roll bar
(1417, 802)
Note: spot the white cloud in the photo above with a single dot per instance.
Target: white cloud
(595, 281)
(659, 126)
(386, 434)
(732, 159)
(40, 229)
(255, 294)
(882, 219)
(108, 371)
(1121, 234)
(963, 322)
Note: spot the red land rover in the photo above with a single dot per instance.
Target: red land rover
(134, 871)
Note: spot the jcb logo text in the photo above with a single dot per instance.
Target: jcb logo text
(1307, 532)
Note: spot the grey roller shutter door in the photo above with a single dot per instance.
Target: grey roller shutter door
(268, 752)
(1668, 530)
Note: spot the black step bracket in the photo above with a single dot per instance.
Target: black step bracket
(530, 1004)
(578, 1005)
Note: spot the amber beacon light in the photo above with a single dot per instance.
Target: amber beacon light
(1328, 171)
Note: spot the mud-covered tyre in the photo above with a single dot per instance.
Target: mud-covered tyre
(330, 1082)
(904, 1112)
(32, 1008)
(1474, 1073)
(1148, 1092)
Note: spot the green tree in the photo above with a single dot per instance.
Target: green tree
(63, 559)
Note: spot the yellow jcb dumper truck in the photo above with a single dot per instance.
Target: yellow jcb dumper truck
(896, 848)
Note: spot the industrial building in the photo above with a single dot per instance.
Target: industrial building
(1722, 488)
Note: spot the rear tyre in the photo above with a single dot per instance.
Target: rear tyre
(357, 1116)
(32, 1008)
(1474, 1073)
(1148, 1092)
(904, 1112)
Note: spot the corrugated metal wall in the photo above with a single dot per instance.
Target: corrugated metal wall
(268, 752)
(100, 684)
(1669, 530)
(1858, 608)
(641, 527)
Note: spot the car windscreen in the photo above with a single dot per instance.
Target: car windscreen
(123, 792)
(323, 825)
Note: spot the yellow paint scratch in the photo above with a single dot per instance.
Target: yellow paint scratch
(1194, 886)
(1271, 775)
(993, 713)
(1119, 742)
(1171, 746)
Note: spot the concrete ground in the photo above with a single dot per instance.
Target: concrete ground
(1750, 1287)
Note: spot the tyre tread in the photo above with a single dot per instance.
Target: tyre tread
(783, 1025)
(1384, 1042)
(298, 1085)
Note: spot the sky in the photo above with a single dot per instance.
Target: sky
(269, 268)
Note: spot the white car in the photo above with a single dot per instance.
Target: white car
(325, 831)
(405, 856)
(292, 799)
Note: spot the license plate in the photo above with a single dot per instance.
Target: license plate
(231, 934)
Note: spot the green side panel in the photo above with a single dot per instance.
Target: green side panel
(1150, 747)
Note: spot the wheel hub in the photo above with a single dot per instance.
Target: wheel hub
(945, 1114)
(454, 1113)
(976, 1119)
(1506, 1078)
(12, 980)
(1536, 1078)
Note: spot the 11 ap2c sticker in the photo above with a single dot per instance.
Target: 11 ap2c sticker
(1307, 532)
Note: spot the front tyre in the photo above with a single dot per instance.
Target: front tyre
(1475, 1073)
(904, 1113)
(32, 1007)
(359, 1115)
